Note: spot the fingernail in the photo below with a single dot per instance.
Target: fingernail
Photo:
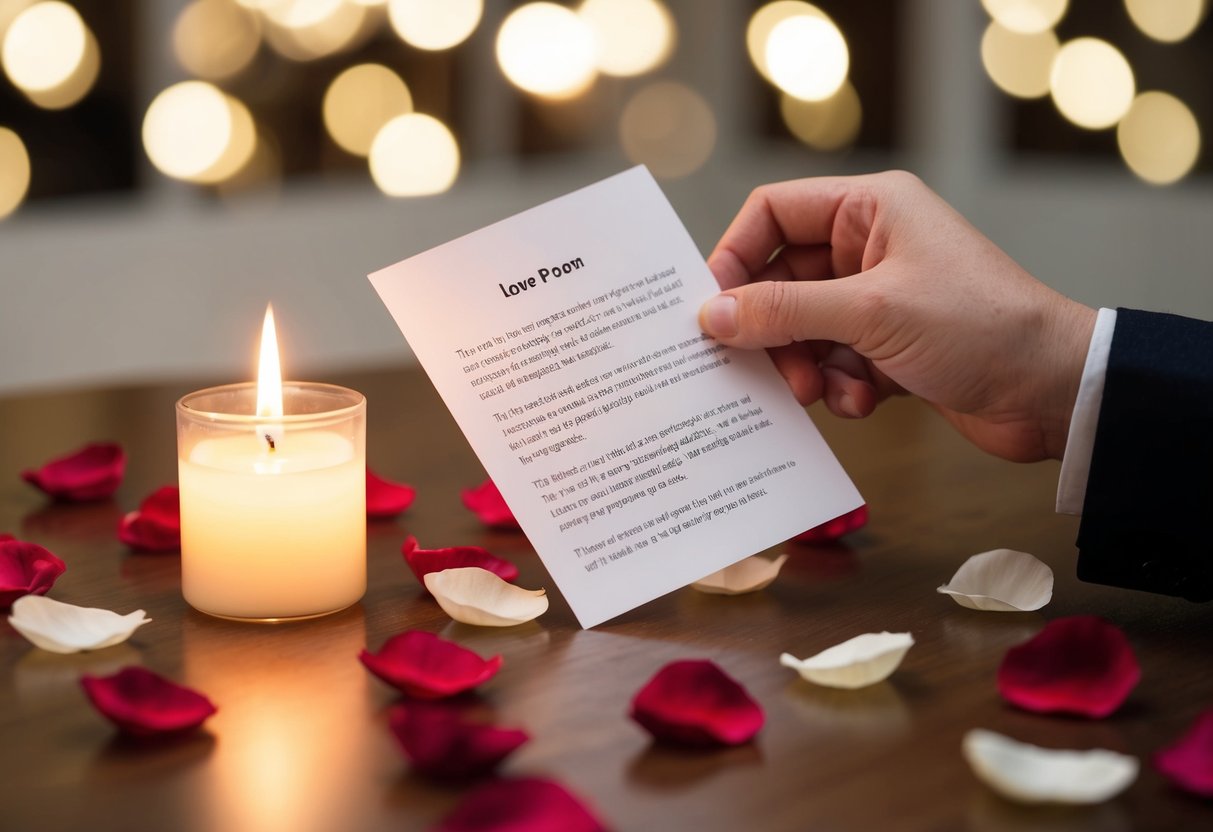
(720, 316)
(847, 405)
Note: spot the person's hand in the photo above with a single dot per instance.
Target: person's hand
(870, 285)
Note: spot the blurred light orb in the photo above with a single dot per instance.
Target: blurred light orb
(807, 57)
(434, 24)
(360, 101)
(77, 85)
(215, 39)
(301, 14)
(633, 36)
(305, 30)
(1027, 16)
(1091, 83)
(547, 50)
(1159, 138)
(763, 21)
(44, 46)
(195, 132)
(826, 125)
(414, 155)
(669, 127)
(1019, 64)
(14, 171)
(1169, 21)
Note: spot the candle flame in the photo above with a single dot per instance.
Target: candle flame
(269, 379)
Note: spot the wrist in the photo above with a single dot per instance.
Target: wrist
(1068, 342)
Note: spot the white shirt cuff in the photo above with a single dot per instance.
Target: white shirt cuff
(1076, 462)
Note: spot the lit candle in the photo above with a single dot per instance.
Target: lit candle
(273, 495)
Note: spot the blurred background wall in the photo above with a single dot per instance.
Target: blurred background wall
(150, 235)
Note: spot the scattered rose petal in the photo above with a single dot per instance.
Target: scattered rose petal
(156, 525)
(831, 530)
(67, 628)
(144, 704)
(477, 596)
(694, 702)
(486, 502)
(749, 575)
(1188, 762)
(440, 742)
(524, 804)
(855, 663)
(428, 667)
(1001, 580)
(5, 536)
(1079, 665)
(26, 569)
(1030, 774)
(424, 561)
(385, 498)
(92, 473)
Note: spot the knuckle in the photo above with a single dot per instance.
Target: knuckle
(774, 309)
(902, 179)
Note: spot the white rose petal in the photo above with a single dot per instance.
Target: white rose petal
(67, 628)
(1030, 774)
(1002, 580)
(856, 663)
(476, 596)
(749, 575)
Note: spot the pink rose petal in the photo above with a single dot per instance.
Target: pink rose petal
(144, 704)
(525, 804)
(385, 498)
(486, 502)
(26, 569)
(1188, 762)
(439, 742)
(424, 561)
(156, 525)
(5, 536)
(92, 473)
(831, 530)
(1078, 665)
(428, 667)
(696, 703)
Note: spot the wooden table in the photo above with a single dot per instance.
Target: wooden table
(300, 741)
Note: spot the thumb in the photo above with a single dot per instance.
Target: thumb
(772, 313)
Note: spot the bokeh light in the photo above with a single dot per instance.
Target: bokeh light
(763, 21)
(434, 24)
(77, 85)
(360, 101)
(1019, 64)
(1159, 138)
(215, 39)
(807, 57)
(1091, 83)
(414, 155)
(44, 46)
(195, 132)
(668, 127)
(1169, 21)
(633, 36)
(305, 30)
(547, 50)
(14, 171)
(826, 125)
(1026, 16)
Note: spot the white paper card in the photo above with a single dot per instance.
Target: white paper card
(637, 454)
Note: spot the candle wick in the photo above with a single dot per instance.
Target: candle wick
(270, 439)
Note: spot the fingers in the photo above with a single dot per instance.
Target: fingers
(848, 388)
(797, 363)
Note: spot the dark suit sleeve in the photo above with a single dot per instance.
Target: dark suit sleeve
(1149, 501)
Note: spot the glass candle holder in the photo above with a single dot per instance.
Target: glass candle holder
(273, 509)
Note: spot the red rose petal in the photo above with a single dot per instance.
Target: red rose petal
(92, 473)
(428, 667)
(524, 804)
(156, 526)
(486, 502)
(831, 530)
(144, 704)
(26, 569)
(424, 561)
(1079, 665)
(5, 536)
(1188, 762)
(439, 742)
(696, 703)
(385, 498)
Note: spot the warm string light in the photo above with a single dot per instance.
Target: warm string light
(50, 54)
(14, 171)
